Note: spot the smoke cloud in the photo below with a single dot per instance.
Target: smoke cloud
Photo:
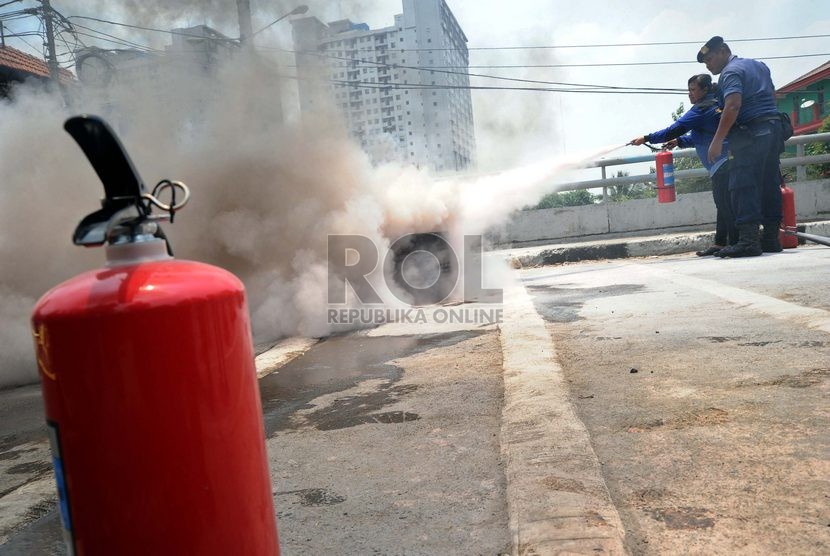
(266, 192)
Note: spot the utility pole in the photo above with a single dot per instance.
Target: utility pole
(50, 41)
(246, 28)
(2, 36)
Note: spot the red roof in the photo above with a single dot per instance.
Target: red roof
(821, 72)
(15, 59)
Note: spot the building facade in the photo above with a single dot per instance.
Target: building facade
(403, 90)
(805, 101)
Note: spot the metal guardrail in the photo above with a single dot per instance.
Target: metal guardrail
(800, 161)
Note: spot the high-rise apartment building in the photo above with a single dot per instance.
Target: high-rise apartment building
(402, 90)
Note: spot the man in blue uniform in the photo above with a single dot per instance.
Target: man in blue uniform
(696, 128)
(751, 121)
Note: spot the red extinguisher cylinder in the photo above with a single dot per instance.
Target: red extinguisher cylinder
(154, 413)
(788, 217)
(665, 177)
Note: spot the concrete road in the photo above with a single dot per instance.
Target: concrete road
(703, 384)
(650, 406)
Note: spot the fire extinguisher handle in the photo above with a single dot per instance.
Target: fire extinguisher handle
(107, 156)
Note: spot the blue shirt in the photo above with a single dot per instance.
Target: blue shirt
(696, 128)
(752, 80)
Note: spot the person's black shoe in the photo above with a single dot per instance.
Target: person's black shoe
(709, 252)
(770, 242)
(748, 246)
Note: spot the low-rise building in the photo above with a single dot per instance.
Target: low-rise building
(805, 100)
(18, 67)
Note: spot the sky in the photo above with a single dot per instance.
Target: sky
(514, 127)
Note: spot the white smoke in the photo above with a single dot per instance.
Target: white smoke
(266, 194)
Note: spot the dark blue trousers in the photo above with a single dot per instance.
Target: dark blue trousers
(754, 181)
(726, 233)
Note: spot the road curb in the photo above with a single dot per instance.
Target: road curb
(557, 499)
(620, 248)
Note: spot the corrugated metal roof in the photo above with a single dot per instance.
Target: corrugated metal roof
(813, 75)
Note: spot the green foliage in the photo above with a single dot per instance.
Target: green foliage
(631, 191)
(817, 171)
(566, 199)
(677, 113)
(691, 185)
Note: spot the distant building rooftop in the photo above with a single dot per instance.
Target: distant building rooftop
(26, 65)
(817, 74)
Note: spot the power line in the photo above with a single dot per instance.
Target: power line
(467, 74)
(150, 28)
(609, 64)
(403, 86)
(24, 40)
(414, 68)
(114, 39)
(609, 45)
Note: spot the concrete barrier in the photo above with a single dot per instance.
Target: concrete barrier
(638, 216)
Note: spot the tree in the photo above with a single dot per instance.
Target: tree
(566, 199)
(819, 170)
(631, 190)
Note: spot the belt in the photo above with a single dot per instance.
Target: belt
(762, 119)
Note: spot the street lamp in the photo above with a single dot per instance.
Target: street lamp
(299, 10)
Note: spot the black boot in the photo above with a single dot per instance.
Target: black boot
(770, 242)
(748, 245)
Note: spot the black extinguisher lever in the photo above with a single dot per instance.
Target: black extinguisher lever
(126, 206)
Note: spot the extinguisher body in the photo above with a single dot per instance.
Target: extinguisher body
(788, 217)
(153, 410)
(665, 177)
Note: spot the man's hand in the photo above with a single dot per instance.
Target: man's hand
(669, 145)
(715, 149)
(638, 141)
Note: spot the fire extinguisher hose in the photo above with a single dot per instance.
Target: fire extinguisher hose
(810, 237)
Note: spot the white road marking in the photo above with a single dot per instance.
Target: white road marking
(817, 319)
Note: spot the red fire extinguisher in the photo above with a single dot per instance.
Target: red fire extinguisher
(788, 241)
(148, 378)
(665, 177)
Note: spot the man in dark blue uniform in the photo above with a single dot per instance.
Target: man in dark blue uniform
(751, 121)
(696, 128)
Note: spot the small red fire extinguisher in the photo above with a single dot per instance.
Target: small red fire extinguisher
(148, 378)
(665, 177)
(788, 241)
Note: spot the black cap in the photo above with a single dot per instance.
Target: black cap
(712, 44)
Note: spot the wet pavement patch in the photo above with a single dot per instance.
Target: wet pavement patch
(760, 344)
(683, 518)
(586, 253)
(315, 497)
(338, 364)
(34, 467)
(557, 304)
(351, 411)
(720, 339)
(806, 379)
